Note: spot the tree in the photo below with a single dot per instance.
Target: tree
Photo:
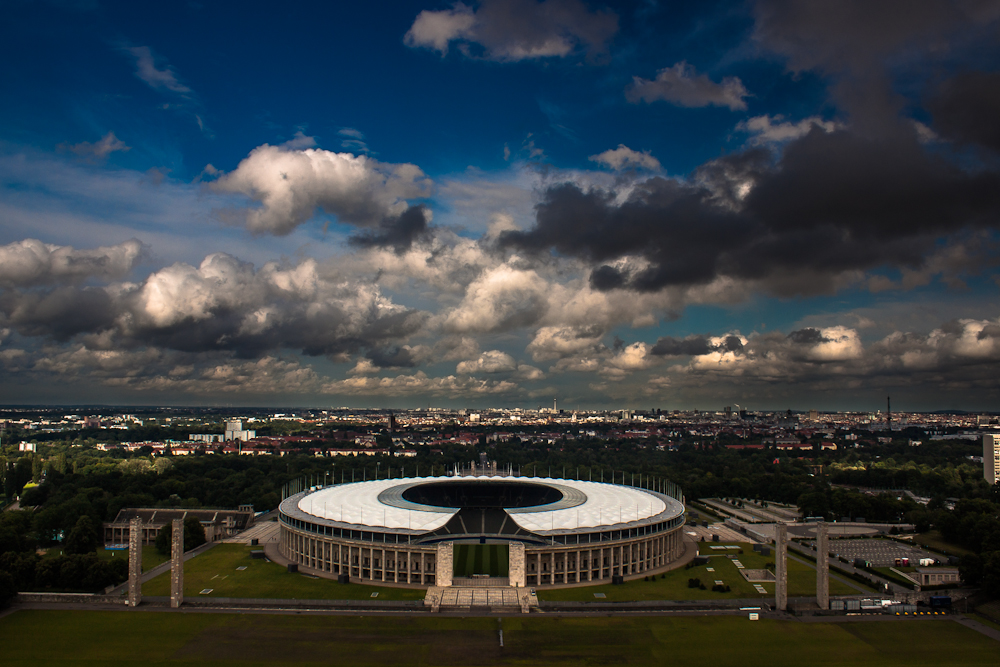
(7, 590)
(164, 539)
(194, 536)
(194, 533)
(83, 538)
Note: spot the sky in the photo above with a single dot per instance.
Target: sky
(769, 204)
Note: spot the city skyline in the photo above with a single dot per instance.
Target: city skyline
(616, 204)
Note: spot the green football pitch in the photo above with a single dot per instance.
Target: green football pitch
(470, 559)
(135, 637)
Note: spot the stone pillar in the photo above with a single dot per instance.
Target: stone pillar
(135, 562)
(444, 565)
(822, 567)
(177, 565)
(781, 566)
(516, 569)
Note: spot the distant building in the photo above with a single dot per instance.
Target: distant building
(937, 576)
(234, 431)
(218, 524)
(991, 458)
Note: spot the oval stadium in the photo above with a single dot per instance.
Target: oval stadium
(443, 531)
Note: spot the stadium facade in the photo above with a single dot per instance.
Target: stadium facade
(548, 531)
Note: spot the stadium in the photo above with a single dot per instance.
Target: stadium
(468, 526)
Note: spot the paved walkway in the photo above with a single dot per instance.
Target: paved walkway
(981, 628)
(264, 532)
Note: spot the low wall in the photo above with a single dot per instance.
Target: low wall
(74, 598)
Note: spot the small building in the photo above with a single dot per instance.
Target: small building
(218, 524)
(937, 576)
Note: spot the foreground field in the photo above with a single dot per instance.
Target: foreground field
(674, 584)
(218, 569)
(134, 638)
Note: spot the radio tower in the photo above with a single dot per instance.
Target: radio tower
(888, 411)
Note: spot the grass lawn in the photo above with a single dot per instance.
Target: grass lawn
(488, 559)
(674, 584)
(217, 569)
(134, 638)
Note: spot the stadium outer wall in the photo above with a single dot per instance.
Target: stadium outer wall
(383, 556)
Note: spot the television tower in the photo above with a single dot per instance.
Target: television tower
(888, 412)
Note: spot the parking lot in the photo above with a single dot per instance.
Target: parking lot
(880, 553)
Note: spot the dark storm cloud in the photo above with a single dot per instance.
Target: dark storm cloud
(966, 109)
(832, 203)
(398, 233)
(60, 313)
(693, 346)
(851, 34)
(807, 336)
(677, 347)
(398, 357)
(862, 45)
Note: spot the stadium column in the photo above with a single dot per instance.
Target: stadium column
(135, 562)
(177, 564)
(781, 566)
(822, 567)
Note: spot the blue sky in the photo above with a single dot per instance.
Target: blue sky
(632, 204)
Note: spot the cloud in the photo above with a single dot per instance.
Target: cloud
(398, 232)
(491, 361)
(502, 298)
(960, 354)
(99, 150)
(223, 305)
(966, 107)
(556, 342)
(682, 86)
(159, 79)
(291, 185)
(420, 385)
(832, 206)
(623, 157)
(514, 30)
(774, 129)
(155, 371)
(862, 46)
(30, 263)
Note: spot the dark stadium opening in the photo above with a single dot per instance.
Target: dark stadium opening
(484, 495)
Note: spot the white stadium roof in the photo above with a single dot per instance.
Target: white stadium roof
(597, 504)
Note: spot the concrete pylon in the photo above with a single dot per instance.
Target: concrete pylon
(515, 560)
(134, 562)
(822, 567)
(781, 566)
(177, 564)
(444, 564)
